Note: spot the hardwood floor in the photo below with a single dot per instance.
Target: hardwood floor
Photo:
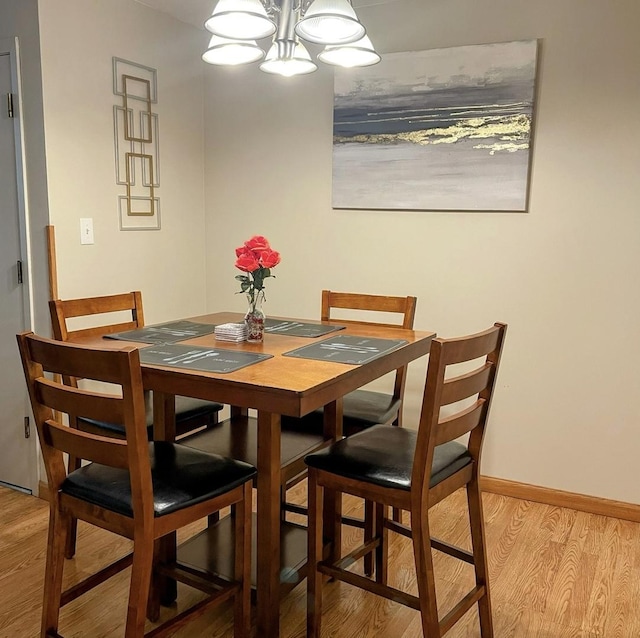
(555, 573)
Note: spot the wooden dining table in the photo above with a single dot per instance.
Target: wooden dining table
(281, 385)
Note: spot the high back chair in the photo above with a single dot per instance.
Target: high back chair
(363, 408)
(190, 414)
(139, 489)
(399, 467)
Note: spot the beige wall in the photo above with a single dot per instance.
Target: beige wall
(78, 40)
(564, 276)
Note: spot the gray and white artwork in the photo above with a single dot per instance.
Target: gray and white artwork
(444, 129)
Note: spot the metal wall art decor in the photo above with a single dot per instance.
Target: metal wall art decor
(136, 145)
(445, 129)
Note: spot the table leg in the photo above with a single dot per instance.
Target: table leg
(238, 411)
(268, 540)
(332, 511)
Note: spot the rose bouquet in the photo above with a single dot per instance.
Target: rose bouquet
(256, 259)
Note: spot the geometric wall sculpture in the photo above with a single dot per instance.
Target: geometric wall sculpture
(137, 152)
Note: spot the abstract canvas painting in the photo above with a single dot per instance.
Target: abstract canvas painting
(444, 129)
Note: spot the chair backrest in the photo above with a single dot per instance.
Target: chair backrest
(50, 398)
(63, 310)
(403, 306)
(471, 390)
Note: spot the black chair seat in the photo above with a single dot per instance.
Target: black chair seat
(360, 410)
(187, 409)
(383, 455)
(181, 477)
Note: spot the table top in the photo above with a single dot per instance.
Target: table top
(281, 384)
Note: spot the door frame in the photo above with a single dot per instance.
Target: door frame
(11, 46)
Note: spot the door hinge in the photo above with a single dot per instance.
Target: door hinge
(9, 104)
(19, 270)
(27, 427)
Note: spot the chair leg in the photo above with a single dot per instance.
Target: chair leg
(72, 532)
(241, 514)
(397, 514)
(369, 531)
(476, 521)
(382, 551)
(153, 601)
(143, 555)
(56, 541)
(424, 573)
(314, 555)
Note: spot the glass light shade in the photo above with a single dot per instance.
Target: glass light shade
(298, 64)
(330, 22)
(359, 53)
(230, 52)
(240, 20)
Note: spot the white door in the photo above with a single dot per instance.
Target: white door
(18, 462)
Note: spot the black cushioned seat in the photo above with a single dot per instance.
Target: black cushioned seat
(383, 455)
(186, 410)
(181, 477)
(361, 409)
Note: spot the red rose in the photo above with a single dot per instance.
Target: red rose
(257, 244)
(247, 262)
(269, 258)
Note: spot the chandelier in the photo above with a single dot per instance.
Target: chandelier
(236, 26)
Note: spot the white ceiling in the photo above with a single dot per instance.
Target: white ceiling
(195, 12)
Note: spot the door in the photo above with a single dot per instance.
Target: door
(18, 462)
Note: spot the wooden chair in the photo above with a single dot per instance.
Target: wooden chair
(190, 413)
(399, 467)
(139, 489)
(361, 409)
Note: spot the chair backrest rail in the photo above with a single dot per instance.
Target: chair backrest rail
(91, 447)
(466, 385)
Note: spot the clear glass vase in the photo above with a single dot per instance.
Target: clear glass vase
(255, 317)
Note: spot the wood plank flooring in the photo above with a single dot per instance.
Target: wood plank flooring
(555, 573)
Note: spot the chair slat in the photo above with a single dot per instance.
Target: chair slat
(467, 349)
(460, 423)
(75, 363)
(99, 449)
(80, 403)
(466, 385)
(405, 306)
(98, 305)
(103, 330)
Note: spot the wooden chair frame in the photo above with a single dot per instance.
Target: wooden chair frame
(404, 306)
(61, 310)
(48, 397)
(433, 430)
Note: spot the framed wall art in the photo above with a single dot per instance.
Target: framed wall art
(443, 130)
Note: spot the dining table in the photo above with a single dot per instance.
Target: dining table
(291, 373)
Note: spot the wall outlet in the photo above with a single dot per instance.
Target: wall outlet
(86, 230)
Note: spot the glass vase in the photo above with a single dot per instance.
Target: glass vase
(255, 317)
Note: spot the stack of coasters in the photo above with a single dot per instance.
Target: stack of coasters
(231, 332)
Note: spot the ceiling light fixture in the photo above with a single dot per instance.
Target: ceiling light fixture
(237, 24)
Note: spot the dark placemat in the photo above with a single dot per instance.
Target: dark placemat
(199, 358)
(165, 332)
(347, 349)
(297, 328)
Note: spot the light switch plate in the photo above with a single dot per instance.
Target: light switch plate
(86, 230)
